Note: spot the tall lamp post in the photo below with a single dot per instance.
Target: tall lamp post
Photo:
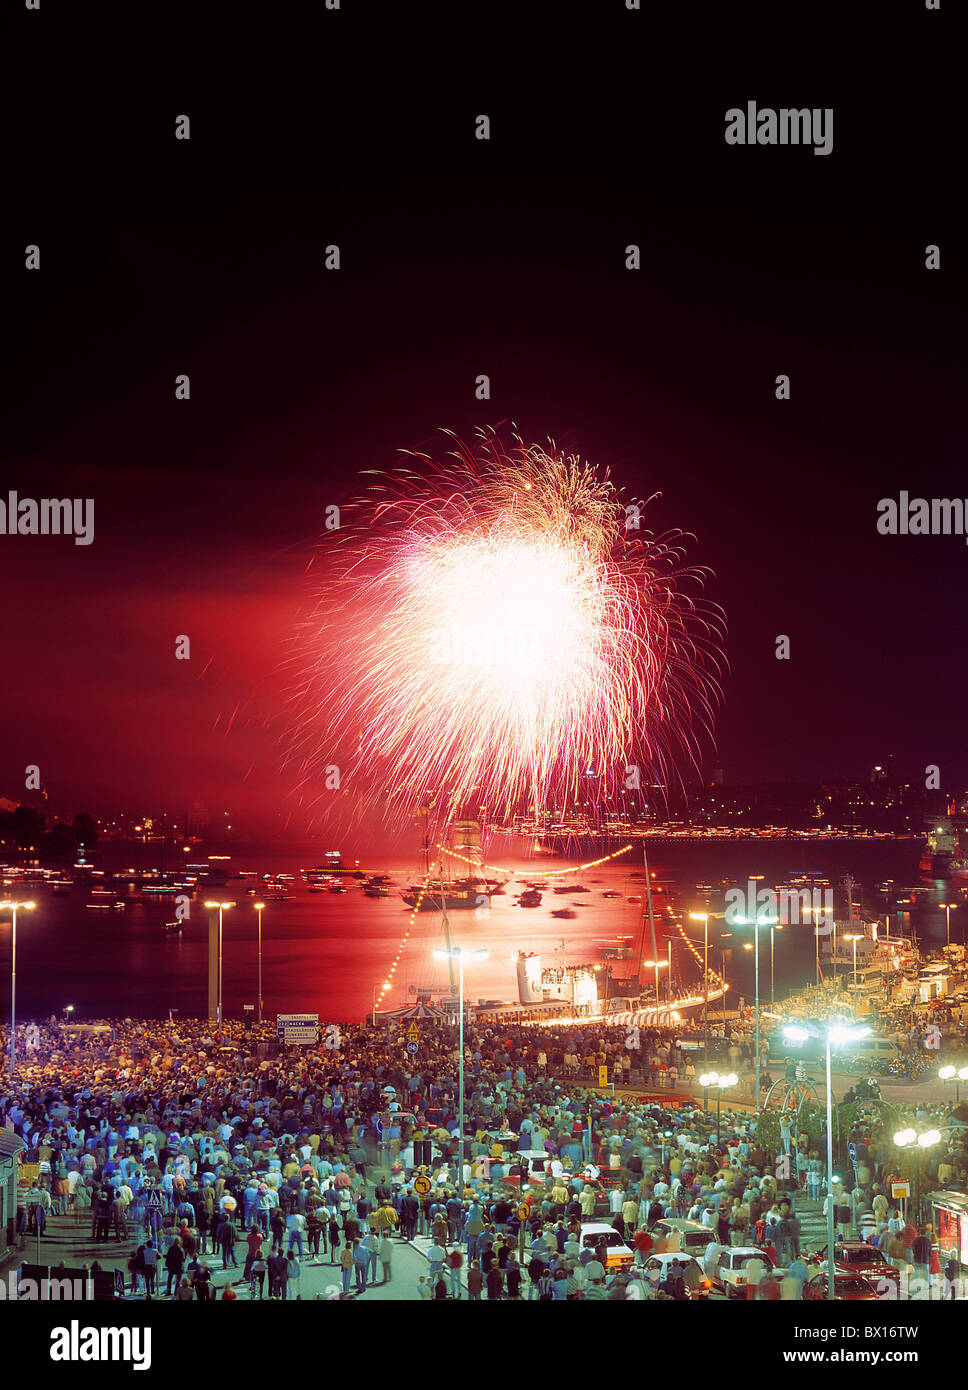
(908, 1138)
(758, 922)
(656, 965)
(832, 1037)
(774, 927)
(704, 918)
(955, 1074)
(853, 938)
(222, 907)
(947, 921)
(259, 907)
(721, 1083)
(456, 953)
(13, 908)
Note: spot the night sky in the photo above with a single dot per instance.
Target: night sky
(460, 257)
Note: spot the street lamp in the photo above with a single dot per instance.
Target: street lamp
(721, 1083)
(774, 926)
(957, 1075)
(757, 923)
(704, 918)
(221, 908)
(259, 907)
(656, 965)
(947, 921)
(455, 953)
(832, 1037)
(906, 1139)
(854, 938)
(13, 908)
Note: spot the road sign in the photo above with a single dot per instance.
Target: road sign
(851, 1149)
(603, 1076)
(413, 1047)
(297, 1028)
(413, 1031)
(900, 1189)
(524, 1211)
(249, 1008)
(153, 1200)
(422, 1184)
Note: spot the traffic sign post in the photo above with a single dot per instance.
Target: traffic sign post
(603, 1076)
(422, 1184)
(298, 1029)
(412, 1047)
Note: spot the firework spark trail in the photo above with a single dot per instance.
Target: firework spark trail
(487, 628)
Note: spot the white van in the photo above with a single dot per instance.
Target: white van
(871, 1049)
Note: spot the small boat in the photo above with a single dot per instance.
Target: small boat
(338, 888)
(571, 888)
(564, 912)
(171, 928)
(530, 898)
(609, 893)
(376, 890)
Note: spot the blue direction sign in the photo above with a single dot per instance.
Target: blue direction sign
(412, 1047)
(852, 1151)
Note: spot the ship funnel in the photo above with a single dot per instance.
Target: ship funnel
(529, 979)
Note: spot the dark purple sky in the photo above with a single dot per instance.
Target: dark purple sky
(160, 257)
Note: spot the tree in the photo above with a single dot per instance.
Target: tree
(85, 829)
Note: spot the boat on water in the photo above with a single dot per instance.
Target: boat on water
(376, 890)
(171, 929)
(530, 898)
(942, 848)
(571, 888)
(565, 912)
(332, 865)
(455, 897)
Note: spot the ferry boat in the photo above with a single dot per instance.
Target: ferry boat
(332, 865)
(940, 849)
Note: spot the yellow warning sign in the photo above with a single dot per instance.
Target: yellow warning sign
(603, 1076)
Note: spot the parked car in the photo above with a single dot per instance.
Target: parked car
(693, 1236)
(848, 1288)
(619, 1254)
(857, 1257)
(657, 1266)
(729, 1275)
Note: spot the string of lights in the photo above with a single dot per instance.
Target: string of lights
(551, 873)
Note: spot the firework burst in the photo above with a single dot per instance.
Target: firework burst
(488, 629)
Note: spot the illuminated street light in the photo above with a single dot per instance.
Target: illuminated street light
(222, 907)
(907, 1139)
(704, 918)
(13, 908)
(955, 1074)
(832, 1036)
(947, 921)
(455, 953)
(721, 1084)
(656, 965)
(259, 907)
(758, 922)
(854, 938)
